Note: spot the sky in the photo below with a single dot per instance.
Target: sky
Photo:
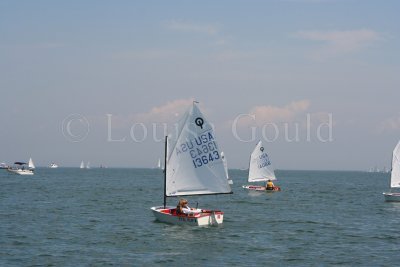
(103, 81)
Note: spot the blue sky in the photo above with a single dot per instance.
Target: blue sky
(145, 61)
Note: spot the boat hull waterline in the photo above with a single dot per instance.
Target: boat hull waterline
(205, 218)
(21, 172)
(261, 188)
(392, 197)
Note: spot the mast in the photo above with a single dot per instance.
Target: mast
(391, 169)
(165, 172)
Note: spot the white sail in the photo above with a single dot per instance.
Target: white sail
(194, 164)
(88, 165)
(82, 165)
(260, 165)
(226, 167)
(395, 175)
(30, 164)
(225, 164)
(159, 164)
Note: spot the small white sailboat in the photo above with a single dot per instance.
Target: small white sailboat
(88, 165)
(193, 166)
(53, 166)
(394, 176)
(30, 164)
(19, 168)
(159, 164)
(82, 165)
(230, 181)
(260, 169)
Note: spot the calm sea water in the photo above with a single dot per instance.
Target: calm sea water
(73, 217)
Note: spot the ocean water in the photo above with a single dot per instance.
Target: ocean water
(102, 217)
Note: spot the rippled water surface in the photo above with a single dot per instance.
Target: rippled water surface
(98, 217)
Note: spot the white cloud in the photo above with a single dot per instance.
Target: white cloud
(390, 125)
(316, 119)
(273, 114)
(294, 112)
(169, 112)
(339, 42)
(189, 27)
(280, 114)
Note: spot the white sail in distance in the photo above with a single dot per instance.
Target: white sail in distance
(395, 174)
(260, 168)
(30, 164)
(225, 164)
(159, 164)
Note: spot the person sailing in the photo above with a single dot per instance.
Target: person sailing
(270, 185)
(183, 208)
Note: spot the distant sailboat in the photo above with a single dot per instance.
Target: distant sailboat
(159, 164)
(30, 164)
(82, 165)
(192, 171)
(395, 176)
(88, 165)
(260, 169)
(230, 181)
(53, 166)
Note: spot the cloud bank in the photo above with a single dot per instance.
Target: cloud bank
(390, 125)
(260, 115)
(169, 112)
